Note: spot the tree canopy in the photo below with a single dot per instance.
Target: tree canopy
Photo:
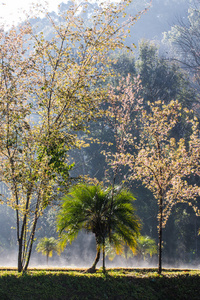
(47, 246)
(48, 92)
(158, 158)
(108, 214)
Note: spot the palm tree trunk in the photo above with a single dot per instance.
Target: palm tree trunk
(96, 258)
(93, 268)
(104, 267)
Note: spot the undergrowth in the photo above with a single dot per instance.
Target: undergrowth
(116, 284)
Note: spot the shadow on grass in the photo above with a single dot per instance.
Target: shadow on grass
(119, 284)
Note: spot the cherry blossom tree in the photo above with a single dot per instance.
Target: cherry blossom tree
(163, 163)
(124, 103)
(159, 159)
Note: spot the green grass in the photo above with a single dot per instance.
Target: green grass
(118, 284)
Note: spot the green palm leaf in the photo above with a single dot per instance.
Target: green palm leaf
(108, 214)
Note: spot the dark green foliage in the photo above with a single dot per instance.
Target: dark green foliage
(124, 64)
(57, 153)
(183, 247)
(116, 284)
(162, 79)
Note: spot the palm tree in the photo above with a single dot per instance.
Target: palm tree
(47, 246)
(107, 213)
(145, 246)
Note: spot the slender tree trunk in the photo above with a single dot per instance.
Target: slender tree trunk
(21, 245)
(20, 265)
(160, 234)
(19, 238)
(22, 238)
(104, 267)
(25, 246)
(96, 258)
(93, 268)
(31, 243)
(160, 218)
(21, 242)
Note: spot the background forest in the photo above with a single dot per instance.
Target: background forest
(167, 62)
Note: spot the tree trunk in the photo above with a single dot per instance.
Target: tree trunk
(31, 239)
(25, 254)
(20, 265)
(160, 218)
(21, 235)
(93, 268)
(104, 267)
(160, 234)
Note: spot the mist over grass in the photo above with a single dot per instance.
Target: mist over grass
(85, 261)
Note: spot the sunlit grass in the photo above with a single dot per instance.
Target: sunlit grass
(133, 272)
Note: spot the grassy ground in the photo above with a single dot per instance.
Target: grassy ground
(118, 284)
